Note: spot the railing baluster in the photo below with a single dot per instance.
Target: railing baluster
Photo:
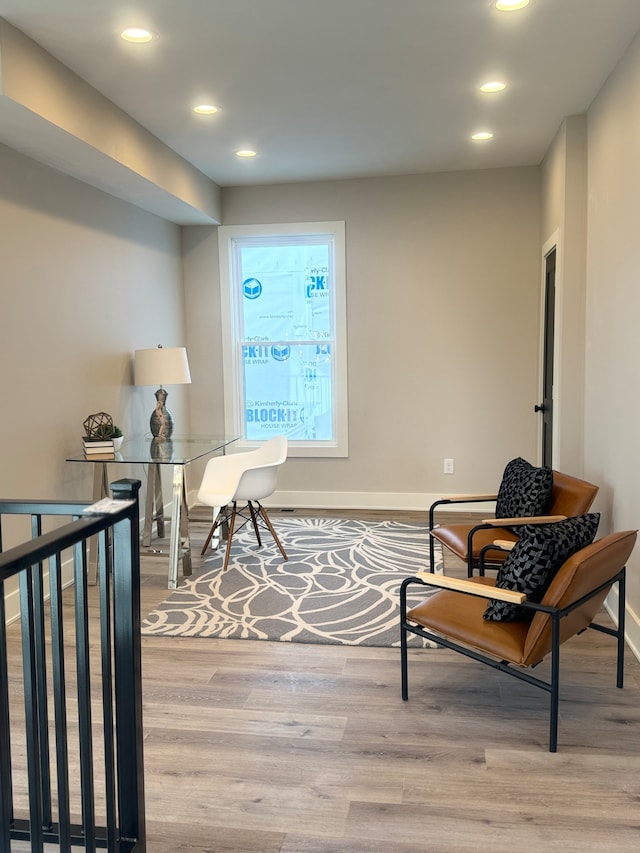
(106, 646)
(59, 701)
(83, 671)
(41, 680)
(128, 667)
(32, 715)
(6, 783)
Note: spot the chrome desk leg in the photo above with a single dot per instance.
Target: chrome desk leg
(179, 546)
(184, 530)
(100, 490)
(154, 506)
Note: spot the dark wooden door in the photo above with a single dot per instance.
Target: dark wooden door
(546, 407)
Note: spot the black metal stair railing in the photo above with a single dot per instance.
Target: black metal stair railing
(71, 759)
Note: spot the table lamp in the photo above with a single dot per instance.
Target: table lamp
(161, 366)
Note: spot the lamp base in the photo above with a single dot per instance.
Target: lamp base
(161, 421)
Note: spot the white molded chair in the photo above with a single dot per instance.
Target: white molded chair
(245, 478)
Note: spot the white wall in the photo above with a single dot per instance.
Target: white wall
(85, 279)
(612, 399)
(442, 304)
(443, 327)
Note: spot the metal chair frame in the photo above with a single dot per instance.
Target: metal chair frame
(552, 687)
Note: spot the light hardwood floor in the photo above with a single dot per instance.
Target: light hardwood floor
(257, 747)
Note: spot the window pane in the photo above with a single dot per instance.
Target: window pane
(284, 327)
(286, 293)
(287, 390)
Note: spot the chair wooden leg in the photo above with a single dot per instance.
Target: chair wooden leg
(262, 511)
(232, 522)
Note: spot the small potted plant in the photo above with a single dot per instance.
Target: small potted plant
(110, 431)
(117, 437)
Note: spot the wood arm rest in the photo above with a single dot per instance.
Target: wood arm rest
(505, 544)
(531, 519)
(464, 585)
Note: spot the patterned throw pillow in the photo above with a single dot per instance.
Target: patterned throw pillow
(524, 490)
(535, 559)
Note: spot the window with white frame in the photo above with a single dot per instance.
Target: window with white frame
(284, 334)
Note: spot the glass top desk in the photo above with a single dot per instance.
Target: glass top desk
(178, 451)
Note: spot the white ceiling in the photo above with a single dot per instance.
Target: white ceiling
(328, 89)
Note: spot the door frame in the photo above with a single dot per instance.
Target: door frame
(553, 242)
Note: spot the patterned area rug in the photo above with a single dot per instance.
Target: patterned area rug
(340, 585)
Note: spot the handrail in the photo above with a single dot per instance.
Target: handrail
(57, 673)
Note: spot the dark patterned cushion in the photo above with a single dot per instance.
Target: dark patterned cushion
(524, 490)
(535, 559)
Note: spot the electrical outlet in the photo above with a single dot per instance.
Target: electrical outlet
(448, 466)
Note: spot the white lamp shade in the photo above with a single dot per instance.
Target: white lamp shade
(162, 366)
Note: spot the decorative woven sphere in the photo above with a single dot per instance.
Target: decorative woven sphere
(98, 425)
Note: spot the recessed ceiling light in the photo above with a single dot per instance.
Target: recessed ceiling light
(245, 152)
(482, 136)
(137, 35)
(511, 5)
(493, 86)
(206, 109)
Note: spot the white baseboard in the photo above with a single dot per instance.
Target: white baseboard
(419, 502)
(394, 501)
(631, 621)
(357, 500)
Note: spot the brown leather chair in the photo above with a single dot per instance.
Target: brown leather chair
(475, 544)
(453, 617)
